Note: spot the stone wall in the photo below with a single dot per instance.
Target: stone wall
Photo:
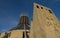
(44, 24)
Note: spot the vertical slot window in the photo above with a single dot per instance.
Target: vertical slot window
(50, 11)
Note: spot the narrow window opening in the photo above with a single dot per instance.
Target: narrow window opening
(6, 35)
(9, 34)
(37, 6)
(23, 35)
(50, 11)
(41, 7)
(26, 35)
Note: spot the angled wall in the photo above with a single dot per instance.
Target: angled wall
(44, 24)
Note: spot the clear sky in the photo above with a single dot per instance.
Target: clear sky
(10, 11)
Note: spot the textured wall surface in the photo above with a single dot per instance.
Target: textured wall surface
(14, 34)
(44, 24)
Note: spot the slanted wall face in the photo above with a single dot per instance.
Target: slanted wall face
(44, 23)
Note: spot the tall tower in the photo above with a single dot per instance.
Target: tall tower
(20, 31)
(44, 23)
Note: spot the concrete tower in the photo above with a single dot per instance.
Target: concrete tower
(44, 23)
(20, 31)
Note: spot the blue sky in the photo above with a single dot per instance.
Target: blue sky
(10, 11)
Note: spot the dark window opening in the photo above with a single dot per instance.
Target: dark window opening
(26, 35)
(23, 34)
(41, 7)
(37, 6)
(6, 35)
(9, 34)
(50, 11)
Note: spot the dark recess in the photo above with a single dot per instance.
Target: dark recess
(50, 11)
(37, 6)
(41, 7)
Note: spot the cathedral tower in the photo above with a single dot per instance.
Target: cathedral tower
(44, 23)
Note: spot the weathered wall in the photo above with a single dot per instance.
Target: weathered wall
(14, 34)
(44, 24)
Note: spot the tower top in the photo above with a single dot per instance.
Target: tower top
(24, 14)
(24, 20)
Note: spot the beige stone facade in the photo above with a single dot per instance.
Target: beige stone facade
(14, 34)
(43, 25)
